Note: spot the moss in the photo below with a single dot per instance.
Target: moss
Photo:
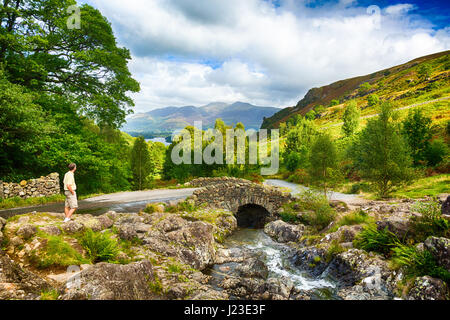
(156, 285)
(50, 295)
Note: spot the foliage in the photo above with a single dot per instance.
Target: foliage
(373, 100)
(417, 129)
(364, 88)
(293, 161)
(334, 249)
(317, 210)
(424, 71)
(99, 246)
(323, 163)
(19, 202)
(381, 153)
(57, 253)
(353, 218)
(418, 263)
(351, 119)
(436, 152)
(141, 164)
(50, 295)
(372, 239)
(430, 222)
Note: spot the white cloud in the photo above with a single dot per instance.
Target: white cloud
(260, 54)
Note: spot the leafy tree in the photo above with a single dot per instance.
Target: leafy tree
(373, 100)
(424, 71)
(417, 129)
(351, 119)
(85, 65)
(334, 102)
(323, 162)
(293, 161)
(364, 88)
(319, 109)
(301, 136)
(436, 152)
(141, 164)
(311, 115)
(381, 153)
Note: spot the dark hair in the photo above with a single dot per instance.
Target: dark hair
(72, 166)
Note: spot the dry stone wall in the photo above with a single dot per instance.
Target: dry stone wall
(33, 188)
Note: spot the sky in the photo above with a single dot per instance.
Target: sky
(266, 52)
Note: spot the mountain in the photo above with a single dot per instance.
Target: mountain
(168, 119)
(401, 84)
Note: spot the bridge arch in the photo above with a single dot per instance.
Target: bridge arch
(242, 197)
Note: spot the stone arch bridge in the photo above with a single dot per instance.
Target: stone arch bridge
(253, 204)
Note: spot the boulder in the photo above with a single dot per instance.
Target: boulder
(446, 207)
(428, 288)
(106, 281)
(72, 227)
(400, 226)
(26, 231)
(284, 232)
(51, 230)
(2, 223)
(17, 283)
(440, 249)
(127, 232)
(343, 234)
(253, 268)
(311, 259)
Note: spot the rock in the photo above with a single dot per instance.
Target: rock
(284, 232)
(26, 231)
(51, 230)
(311, 259)
(127, 232)
(17, 283)
(253, 268)
(339, 206)
(399, 226)
(428, 288)
(2, 223)
(446, 207)
(106, 281)
(72, 227)
(440, 249)
(343, 234)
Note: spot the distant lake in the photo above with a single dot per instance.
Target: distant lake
(162, 140)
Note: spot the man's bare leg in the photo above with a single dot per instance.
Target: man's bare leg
(66, 211)
(71, 212)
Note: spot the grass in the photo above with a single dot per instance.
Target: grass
(429, 186)
(372, 239)
(50, 295)
(57, 253)
(351, 219)
(99, 246)
(430, 222)
(17, 202)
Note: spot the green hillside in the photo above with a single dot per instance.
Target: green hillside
(420, 80)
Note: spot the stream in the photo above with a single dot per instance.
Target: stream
(278, 259)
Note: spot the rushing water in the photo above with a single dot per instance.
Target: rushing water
(278, 259)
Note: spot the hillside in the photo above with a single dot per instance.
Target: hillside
(422, 79)
(167, 119)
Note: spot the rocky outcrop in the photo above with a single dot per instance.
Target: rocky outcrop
(440, 249)
(106, 281)
(428, 288)
(284, 232)
(18, 283)
(446, 207)
(42, 187)
(400, 226)
(253, 268)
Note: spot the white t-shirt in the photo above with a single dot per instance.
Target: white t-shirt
(69, 180)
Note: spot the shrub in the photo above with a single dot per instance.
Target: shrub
(436, 152)
(334, 249)
(418, 263)
(354, 218)
(300, 176)
(99, 246)
(319, 213)
(372, 239)
(151, 208)
(293, 161)
(431, 222)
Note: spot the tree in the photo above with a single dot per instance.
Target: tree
(319, 109)
(381, 153)
(141, 164)
(424, 71)
(373, 100)
(334, 102)
(323, 162)
(293, 161)
(351, 119)
(311, 115)
(436, 152)
(417, 129)
(364, 88)
(301, 136)
(84, 65)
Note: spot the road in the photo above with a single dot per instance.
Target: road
(402, 108)
(119, 202)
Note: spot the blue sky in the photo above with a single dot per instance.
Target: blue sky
(266, 52)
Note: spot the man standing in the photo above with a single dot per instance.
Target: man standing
(69, 190)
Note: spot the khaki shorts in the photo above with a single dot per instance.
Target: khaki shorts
(71, 200)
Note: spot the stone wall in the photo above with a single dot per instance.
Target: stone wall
(231, 194)
(33, 188)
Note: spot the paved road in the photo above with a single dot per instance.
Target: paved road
(119, 202)
(402, 108)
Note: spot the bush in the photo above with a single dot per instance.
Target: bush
(300, 176)
(152, 208)
(99, 246)
(293, 161)
(359, 187)
(372, 239)
(418, 263)
(436, 152)
(431, 222)
(319, 213)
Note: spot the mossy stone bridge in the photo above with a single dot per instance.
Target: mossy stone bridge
(253, 204)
